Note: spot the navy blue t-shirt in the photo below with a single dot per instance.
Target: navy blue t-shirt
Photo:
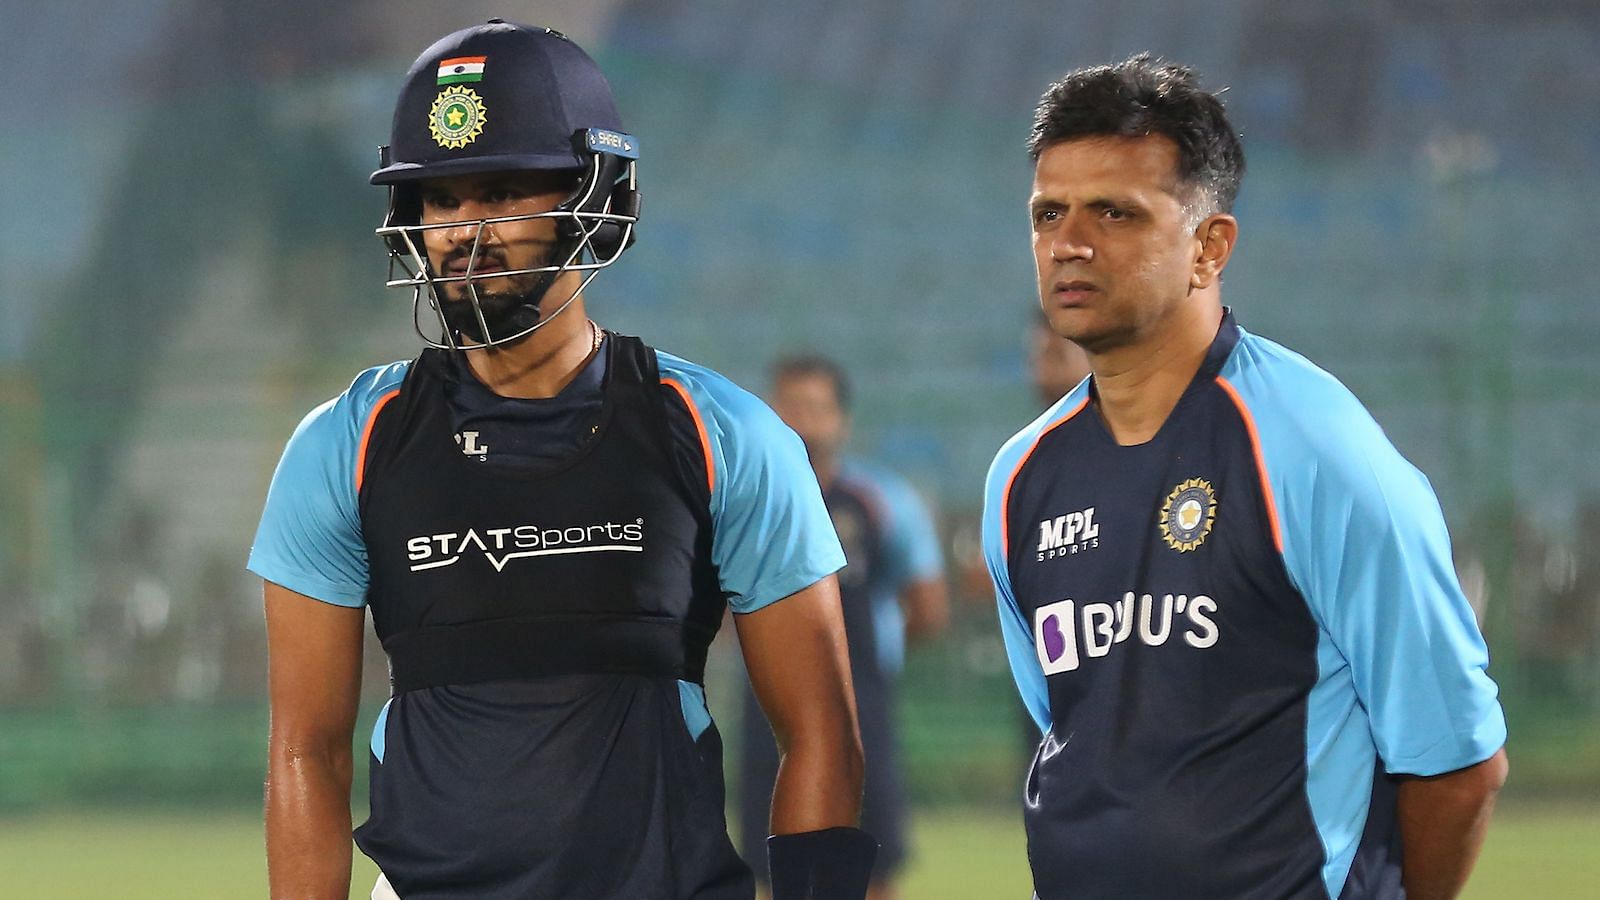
(1230, 636)
(534, 431)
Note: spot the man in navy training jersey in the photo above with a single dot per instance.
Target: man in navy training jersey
(892, 588)
(547, 521)
(1226, 598)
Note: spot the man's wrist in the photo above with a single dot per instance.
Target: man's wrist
(831, 864)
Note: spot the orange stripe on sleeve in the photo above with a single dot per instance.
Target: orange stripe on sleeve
(699, 427)
(1005, 507)
(366, 436)
(1261, 461)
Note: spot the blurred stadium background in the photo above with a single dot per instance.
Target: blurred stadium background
(187, 266)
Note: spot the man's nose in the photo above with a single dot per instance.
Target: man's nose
(468, 225)
(1070, 242)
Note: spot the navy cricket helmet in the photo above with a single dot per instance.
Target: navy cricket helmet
(503, 97)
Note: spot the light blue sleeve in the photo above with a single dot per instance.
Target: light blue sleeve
(773, 534)
(1365, 543)
(912, 539)
(309, 538)
(909, 554)
(1015, 629)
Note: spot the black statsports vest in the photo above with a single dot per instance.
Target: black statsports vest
(538, 622)
(480, 573)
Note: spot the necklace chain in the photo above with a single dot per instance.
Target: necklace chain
(595, 330)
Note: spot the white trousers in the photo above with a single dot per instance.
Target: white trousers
(382, 890)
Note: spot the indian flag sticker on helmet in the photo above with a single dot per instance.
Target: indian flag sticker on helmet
(461, 69)
(456, 117)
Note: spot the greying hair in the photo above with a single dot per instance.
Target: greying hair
(1141, 96)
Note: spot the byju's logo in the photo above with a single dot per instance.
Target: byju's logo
(501, 545)
(1064, 634)
(1068, 534)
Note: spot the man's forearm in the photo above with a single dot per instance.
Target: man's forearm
(818, 786)
(926, 607)
(1443, 820)
(308, 824)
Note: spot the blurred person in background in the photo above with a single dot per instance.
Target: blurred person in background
(1228, 601)
(1055, 364)
(892, 588)
(547, 521)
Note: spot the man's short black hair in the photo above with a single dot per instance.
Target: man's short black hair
(813, 365)
(1142, 96)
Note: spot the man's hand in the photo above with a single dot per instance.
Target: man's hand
(926, 605)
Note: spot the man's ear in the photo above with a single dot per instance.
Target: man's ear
(1214, 240)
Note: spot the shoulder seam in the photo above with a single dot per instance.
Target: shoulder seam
(1261, 460)
(699, 427)
(1005, 495)
(366, 436)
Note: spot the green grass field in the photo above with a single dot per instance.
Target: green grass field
(1543, 852)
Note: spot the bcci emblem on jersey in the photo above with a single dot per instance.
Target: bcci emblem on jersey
(1187, 516)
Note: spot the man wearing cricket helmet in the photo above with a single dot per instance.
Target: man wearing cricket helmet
(547, 520)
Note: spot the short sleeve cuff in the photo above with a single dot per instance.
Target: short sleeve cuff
(308, 585)
(1449, 756)
(782, 584)
(928, 568)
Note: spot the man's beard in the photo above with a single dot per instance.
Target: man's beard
(510, 308)
(505, 312)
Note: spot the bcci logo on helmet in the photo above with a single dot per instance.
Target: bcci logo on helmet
(456, 117)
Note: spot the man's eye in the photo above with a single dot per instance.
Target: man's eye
(1045, 215)
(439, 201)
(1114, 214)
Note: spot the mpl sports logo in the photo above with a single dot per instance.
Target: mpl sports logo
(1065, 634)
(1066, 535)
(502, 545)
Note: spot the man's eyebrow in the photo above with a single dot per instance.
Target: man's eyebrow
(1040, 203)
(1118, 202)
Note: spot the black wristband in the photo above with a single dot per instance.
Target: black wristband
(831, 864)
